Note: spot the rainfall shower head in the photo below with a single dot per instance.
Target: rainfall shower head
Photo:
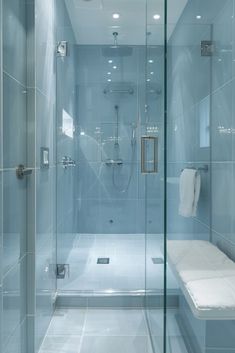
(116, 50)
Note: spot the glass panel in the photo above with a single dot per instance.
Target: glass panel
(189, 77)
(13, 194)
(101, 197)
(153, 126)
(200, 144)
(110, 216)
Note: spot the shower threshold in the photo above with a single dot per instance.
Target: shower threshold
(115, 298)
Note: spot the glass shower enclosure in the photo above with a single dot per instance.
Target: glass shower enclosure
(95, 251)
(110, 156)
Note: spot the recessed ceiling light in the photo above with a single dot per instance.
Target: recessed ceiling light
(110, 61)
(109, 80)
(116, 16)
(148, 80)
(151, 61)
(198, 17)
(82, 133)
(114, 67)
(151, 73)
(156, 16)
(108, 73)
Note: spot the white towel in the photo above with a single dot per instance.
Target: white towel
(190, 185)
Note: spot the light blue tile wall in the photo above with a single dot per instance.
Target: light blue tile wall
(195, 82)
(13, 192)
(223, 123)
(102, 207)
(188, 104)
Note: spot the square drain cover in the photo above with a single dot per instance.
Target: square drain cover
(103, 261)
(157, 260)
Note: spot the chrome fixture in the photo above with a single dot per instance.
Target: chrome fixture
(116, 50)
(149, 159)
(62, 270)
(133, 135)
(207, 48)
(113, 162)
(115, 37)
(44, 157)
(204, 168)
(21, 171)
(67, 162)
(116, 161)
(62, 49)
(117, 91)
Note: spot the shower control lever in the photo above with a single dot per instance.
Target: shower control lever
(62, 270)
(67, 162)
(21, 171)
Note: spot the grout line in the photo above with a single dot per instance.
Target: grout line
(83, 330)
(22, 322)
(14, 79)
(18, 262)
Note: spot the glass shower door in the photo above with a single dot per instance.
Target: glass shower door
(110, 197)
(153, 169)
(67, 159)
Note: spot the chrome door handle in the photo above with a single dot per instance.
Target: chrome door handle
(149, 154)
(21, 171)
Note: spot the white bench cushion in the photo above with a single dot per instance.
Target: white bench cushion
(206, 277)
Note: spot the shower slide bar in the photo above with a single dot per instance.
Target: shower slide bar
(129, 91)
(126, 91)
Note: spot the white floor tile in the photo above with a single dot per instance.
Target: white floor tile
(67, 322)
(126, 270)
(110, 331)
(99, 344)
(115, 323)
(61, 344)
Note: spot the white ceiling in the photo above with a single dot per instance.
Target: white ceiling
(93, 23)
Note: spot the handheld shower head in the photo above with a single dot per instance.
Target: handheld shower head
(133, 137)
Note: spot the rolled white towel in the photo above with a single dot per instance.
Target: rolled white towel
(190, 185)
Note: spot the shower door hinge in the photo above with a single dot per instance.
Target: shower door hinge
(62, 270)
(62, 49)
(207, 48)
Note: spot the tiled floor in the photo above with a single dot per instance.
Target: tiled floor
(106, 331)
(126, 270)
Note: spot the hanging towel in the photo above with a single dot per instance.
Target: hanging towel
(190, 185)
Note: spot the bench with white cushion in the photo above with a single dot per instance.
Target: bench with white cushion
(206, 277)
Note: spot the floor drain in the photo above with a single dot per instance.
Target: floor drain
(157, 260)
(103, 261)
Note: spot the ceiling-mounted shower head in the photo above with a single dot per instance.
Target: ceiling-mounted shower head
(117, 50)
(115, 37)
